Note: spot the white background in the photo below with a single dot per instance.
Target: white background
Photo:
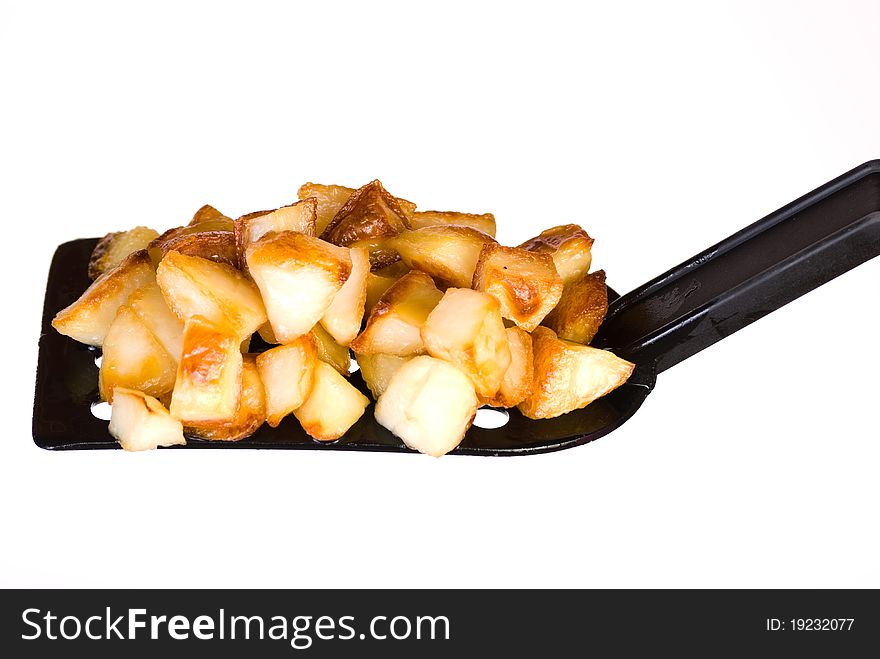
(660, 127)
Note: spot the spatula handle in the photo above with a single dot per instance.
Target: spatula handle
(753, 272)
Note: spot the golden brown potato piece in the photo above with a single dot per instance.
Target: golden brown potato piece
(346, 312)
(331, 352)
(367, 219)
(212, 238)
(248, 417)
(466, 329)
(333, 405)
(134, 359)
(114, 247)
(209, 375)
(298, 276)
(518, 379)
(249, 228)
(287, 373)
(88, 319)
(376, 287)
(569, 376)
(395, 323)
(377, 370)
(429, 404)
(484, 222)
(581, 309)
(194, 286)
(525, 283)
(569, 245)
(208, 213)
(331, 198)
(149, 304)
(447, 252)
(140, 422)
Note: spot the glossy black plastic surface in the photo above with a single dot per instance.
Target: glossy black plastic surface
(757, 270)
(743, 278)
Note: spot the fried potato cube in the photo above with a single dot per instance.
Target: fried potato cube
(569, 376)
(525, 283)
(484, 222)
(114, 247)
(333, 405)
(581, 309)
(208, 213)
(447, 252)
(518, 380)
(466, 329)
(249, 415)
(331, 198)
(88, 319)
(346, 312)
(300, 217)
(209, 375)
(298, 276)
(211, 238)
(140, 422)
(150, 306)
(429, 404)
(330, 351)
(377, 285)
(134, 359)
(377, 370)
(569, 245)
(287, 373)
(395, 323)
(194, 286)
(367, 219)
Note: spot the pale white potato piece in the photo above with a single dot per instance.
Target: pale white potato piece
(249, 415)
(394, 325)
(149, 304)
(209, 374)
(569, 376)
(140, 422)
(194, 286)
(518, 379)
(447, 252)
(249, 228)
(466, 329)
(525, 283)
(333, 405)
(287, 372)
(88, 319)
(345, 313)
(429, 404)
(377, 369)
(298, 277)
(134, 359)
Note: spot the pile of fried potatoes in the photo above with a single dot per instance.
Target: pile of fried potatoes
(441, 318)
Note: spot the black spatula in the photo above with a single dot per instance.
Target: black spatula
(757, 270)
